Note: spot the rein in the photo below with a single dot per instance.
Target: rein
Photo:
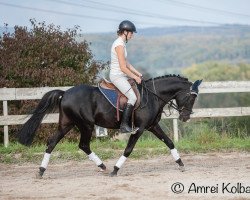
(154, 92)
(169, 102)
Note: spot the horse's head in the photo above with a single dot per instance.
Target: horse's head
(169, 87)
(185, 101)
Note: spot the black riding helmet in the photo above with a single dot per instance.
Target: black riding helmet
(126, 26)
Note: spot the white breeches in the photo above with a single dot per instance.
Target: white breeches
(121, 82)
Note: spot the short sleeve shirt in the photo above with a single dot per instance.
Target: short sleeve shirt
(114, 65)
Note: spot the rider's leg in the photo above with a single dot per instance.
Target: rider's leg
(127, 112)
(123, 85)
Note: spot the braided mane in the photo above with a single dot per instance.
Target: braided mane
(168, 76)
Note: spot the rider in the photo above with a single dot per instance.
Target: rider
(121, 70)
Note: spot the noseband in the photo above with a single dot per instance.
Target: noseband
(170, 102)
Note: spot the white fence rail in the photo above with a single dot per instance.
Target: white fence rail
(7, 94)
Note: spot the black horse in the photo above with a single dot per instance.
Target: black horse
(84, 106)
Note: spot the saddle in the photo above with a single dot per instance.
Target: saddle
(120, 101)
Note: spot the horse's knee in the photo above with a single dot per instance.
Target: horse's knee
(131, 143)
(128, 151)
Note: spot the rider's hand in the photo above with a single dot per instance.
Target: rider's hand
(138, 79)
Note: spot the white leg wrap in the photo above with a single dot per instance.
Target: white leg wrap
(45, 160)
(121, 161)
(175, 154)
(95, 158)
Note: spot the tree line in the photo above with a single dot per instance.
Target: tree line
(168, 50)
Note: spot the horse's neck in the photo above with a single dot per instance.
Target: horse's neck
(167, 89)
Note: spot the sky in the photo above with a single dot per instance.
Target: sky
(96, 16)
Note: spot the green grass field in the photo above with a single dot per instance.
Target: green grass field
(105, 148)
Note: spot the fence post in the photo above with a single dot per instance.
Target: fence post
(6, 129)
(175, 126)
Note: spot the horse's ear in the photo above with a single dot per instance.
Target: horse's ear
(195, 86)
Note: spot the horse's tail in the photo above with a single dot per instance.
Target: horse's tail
(48, 103)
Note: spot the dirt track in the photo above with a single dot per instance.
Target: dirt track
(138, 179)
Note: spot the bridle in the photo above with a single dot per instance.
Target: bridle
(170, 102)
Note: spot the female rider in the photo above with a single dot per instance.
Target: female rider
(121, 70)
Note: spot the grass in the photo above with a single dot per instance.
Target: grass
(224, 144)
(146, 147)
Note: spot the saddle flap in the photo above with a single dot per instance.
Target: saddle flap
(121, 100)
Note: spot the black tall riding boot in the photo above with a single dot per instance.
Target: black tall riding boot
(124, 127)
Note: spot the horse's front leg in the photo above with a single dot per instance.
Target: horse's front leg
(159, 133)
(129, 148)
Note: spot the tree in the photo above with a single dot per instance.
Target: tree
(45, 56)
(218, 71)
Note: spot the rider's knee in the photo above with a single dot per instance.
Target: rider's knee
(132, 98)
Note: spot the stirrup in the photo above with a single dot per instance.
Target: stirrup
(132, 130)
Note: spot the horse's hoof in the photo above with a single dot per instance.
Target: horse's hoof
(113, 174)
(182, 168)
(103, 172)
(39, 176)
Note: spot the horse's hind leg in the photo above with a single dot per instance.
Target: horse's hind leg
(51, 143)
(159, 133)
(86, 133)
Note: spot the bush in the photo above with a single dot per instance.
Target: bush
(43, 56)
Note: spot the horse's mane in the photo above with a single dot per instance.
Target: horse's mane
(168, 76)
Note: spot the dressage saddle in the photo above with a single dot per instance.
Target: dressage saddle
(121, 100)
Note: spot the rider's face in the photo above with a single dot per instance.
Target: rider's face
(129, 34)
